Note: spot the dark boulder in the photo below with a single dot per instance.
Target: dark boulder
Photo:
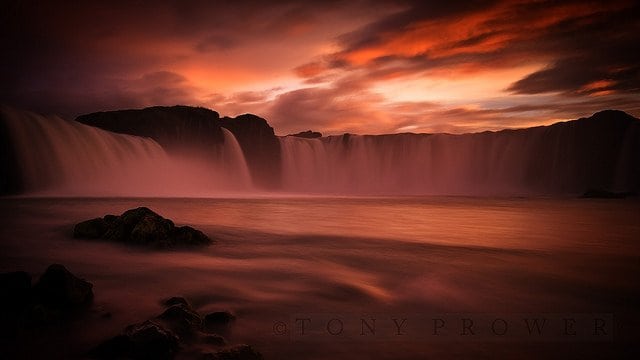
(90, 229)
(59, 288)
(189, 236)
(181, 319)
(141, 226)
(238, 352)
(147, 340)
(57, 297)
(176, 300)
(218, 322)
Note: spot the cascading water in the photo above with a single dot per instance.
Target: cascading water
(544, 160)
(61, 157)
(231, 161)
(48, 155)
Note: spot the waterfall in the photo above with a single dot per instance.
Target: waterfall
(232, 160)
(52, 156)
(563, 158)
(59, 157)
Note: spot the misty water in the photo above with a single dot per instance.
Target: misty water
(279, 258)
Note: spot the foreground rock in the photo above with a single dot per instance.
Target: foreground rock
(177, 328)
(60, 288)
(56, 297)
(218, 322)
(147, 340)
(141, 227)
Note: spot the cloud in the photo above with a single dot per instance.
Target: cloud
(335, 66)
(577, 43)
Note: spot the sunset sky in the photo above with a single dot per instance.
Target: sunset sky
(332, 66)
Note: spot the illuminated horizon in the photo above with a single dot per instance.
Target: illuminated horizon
(358, 67)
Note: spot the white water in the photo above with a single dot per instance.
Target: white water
(58, 157)
(538, 161)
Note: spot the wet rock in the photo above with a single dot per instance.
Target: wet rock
(152, 230)
(147, 340)
(189, 236)
(151, 341)
(59, 288)
(181, 319)
(90, 229)
(238, 352)
(175, 301)
(218, 322)
(143, 227)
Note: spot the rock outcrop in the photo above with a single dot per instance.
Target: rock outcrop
(141, 227)
(185, 129)
(307, 134)
(260, 146)
(176, 128)
(147, 340)
(57, 296)
(178, 327)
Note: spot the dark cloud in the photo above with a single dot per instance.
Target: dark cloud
(75, 57)
(582, 43)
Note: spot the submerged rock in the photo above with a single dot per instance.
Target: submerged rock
(175, 300)
(218, 322)
(183, 320)
(90, 229)
(141, 226)
(147, 340)
(57, 297)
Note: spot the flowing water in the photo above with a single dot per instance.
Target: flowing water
(59, 157)
(277, 259)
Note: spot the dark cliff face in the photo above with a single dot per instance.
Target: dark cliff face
(260, 146)
(188, 129)
(588, 153)
(175, 128)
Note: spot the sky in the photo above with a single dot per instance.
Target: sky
(359, 66)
